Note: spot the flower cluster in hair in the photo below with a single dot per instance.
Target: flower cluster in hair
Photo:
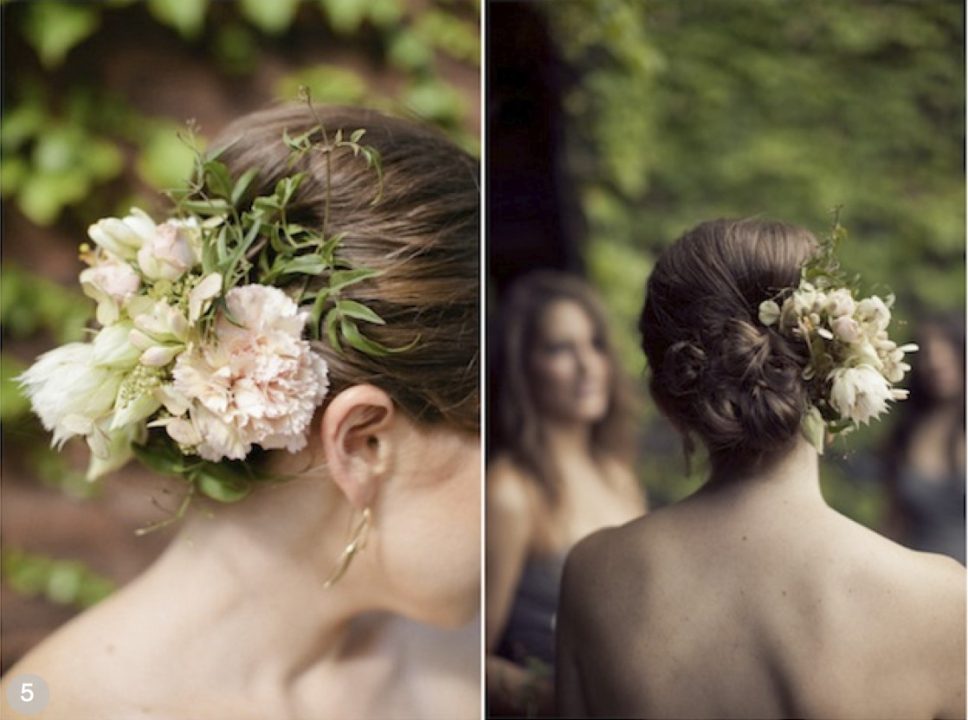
(853, 365)
(209, 328)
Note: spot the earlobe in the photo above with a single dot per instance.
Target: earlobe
(358, 442)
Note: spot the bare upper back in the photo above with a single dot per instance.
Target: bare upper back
(695, 613)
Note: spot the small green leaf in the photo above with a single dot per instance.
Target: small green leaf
(351, 333)
(207, 208)
(161, 456)
(814, 428)
(332, 333)
(217, 179)
(344, 278)
(242, 184)
(358, 311)
(219, 483)
(357, 134)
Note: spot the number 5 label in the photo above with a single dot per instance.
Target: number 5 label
(27, 694)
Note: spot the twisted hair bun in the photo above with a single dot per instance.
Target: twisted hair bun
(716, 370)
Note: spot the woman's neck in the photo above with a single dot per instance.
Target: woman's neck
(240, 591)
(567, 440)
(792, 477)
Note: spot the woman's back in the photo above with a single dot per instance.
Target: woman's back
(761, 602)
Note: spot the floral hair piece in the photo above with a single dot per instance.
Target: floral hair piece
(853, 364)
(210, 324)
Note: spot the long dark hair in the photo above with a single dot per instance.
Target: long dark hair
(923, 398)
(519, 420)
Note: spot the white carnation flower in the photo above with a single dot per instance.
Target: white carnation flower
(859, 393)
(69, 391)
(258, 383)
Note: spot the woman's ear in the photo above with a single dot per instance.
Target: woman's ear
(357, 441)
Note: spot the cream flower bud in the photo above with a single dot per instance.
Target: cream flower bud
(846, 329)
(110, 282)
(840, 303)
(123, 238)
(112, 348)
(111, 448)
(769, 312)
(170, 251)
(874, 312)
(202, 295)
(804, 298)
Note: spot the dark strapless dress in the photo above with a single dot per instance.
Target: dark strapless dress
(936, 512)
(530, 631)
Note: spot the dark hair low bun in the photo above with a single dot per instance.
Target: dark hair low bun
(684, 364)
(753, 395)
(715, 368)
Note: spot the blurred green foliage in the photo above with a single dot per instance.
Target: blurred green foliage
(60, 150)
(65, 582)
(686, 111)
(29, 304)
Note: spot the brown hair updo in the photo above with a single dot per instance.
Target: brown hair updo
(716, 369)
(422, 236)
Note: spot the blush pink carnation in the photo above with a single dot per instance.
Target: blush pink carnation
(258, 383)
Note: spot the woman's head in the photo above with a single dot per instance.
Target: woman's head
(557, 366)
(396, 433)
(715, 369)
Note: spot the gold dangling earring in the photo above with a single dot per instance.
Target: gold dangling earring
(357, 542)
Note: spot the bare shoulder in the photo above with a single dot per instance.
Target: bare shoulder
(509, 488)
(76, 686)
(622, 476)
(940, 632)
(942, 591)
(607, 557)
(917, 600)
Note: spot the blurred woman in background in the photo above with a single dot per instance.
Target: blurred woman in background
(926, 456)
(560, 471)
